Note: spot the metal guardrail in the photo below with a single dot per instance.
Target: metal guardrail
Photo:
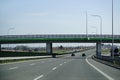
(58, 36)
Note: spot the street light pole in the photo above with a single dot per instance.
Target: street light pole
(112, 54)
(100, 29)
(9, 30)
(100, 24)
(95, 28)
(86, 25)
(8, 33)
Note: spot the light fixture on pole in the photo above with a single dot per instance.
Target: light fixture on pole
(9, 30)
(100, 24)
(8, 33)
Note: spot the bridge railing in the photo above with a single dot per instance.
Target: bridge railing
(58, 36)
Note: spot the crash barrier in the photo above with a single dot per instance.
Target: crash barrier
(109, 60)
(19, 54)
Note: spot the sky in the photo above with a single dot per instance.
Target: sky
(30, 17)
(26, 17)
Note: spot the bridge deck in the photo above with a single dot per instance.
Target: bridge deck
(4, 39)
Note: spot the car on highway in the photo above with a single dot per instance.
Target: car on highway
(72, 54)
(115, 51)
(83, 54)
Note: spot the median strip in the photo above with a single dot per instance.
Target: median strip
(15, 59)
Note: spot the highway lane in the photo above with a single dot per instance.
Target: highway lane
(65, 68)
(77, 69)
(28, 70)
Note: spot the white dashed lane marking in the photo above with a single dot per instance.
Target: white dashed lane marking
(64, 62)
(54, 68)
(61, 64)
(13, 68)
(38, 77)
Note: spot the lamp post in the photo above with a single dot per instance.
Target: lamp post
(112, 54)
(100, 29)
(86, 25)
(8, 33)
(100, 24)
(94, 28)
(9, 30)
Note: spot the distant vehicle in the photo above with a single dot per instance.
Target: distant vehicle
(72, 54)
(115, 51)
(83, 54)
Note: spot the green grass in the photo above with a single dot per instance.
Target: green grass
(60, 51)
(105, 51)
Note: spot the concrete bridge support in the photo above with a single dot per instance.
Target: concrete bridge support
(98, 49)
(0, 47)
(49, 47)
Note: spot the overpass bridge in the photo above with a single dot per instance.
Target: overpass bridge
(59, 38)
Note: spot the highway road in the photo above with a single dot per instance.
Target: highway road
(64, 68)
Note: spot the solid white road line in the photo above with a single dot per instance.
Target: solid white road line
(104, 74)
(54, 68)
(13, 68)
(39, 77)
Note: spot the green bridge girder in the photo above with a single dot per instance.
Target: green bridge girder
(57, 40)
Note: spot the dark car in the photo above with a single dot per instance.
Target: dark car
(83, 54)
(72, 54)
(115, 51)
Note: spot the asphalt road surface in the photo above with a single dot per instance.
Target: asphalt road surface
(64, 68)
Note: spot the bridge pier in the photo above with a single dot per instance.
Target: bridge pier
(0, 47)
(49, 47)
(98, 49)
